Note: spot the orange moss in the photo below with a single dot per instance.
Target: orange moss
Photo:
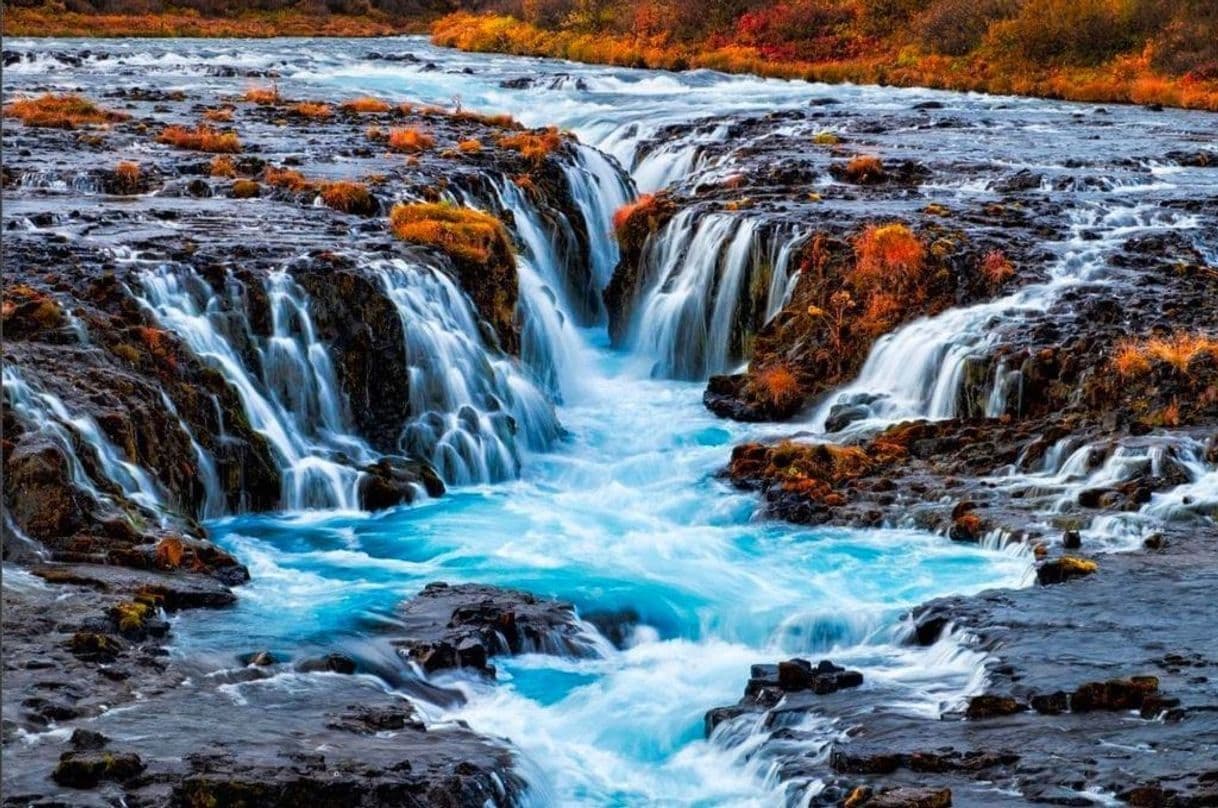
(1135, 357)
(410, 140)
(264, 96)
(66, 111)
(365, 104)
(246, 189)
(533, 146)
(201, 138)
(308, 109)
(462, 232)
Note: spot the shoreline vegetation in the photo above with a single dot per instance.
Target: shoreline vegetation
(1150, 52)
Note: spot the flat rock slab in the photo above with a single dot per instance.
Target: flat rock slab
(178, 590)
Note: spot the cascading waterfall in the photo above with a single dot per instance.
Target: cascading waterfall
(471, 407)
(292, 397)
(916, 371)
(44, 412)
(599, 188)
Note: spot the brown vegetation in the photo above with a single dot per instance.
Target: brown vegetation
(308, 109)
(534, 146)
(1137, 357)
(202, 138)
(365, 104)
(464, 233)
(127, 177)
(410, 140)
(67, 111)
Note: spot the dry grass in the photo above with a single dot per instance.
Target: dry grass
(127, 176)
(889, 257)
(348, 197)
(202, 138)
(67, 111)
(776, 386)
(465, 233)
(534, 146)
(223, 167)
(262, 95)
(287, 178)
(471, 146)
(218, 114)
(309, 109)
(864, 169)
(410, 140)
(1136, 357)
(641, 206)
(365, 105)
(246, 189)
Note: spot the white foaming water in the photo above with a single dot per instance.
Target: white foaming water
(44, 412)
(292, 398)
(470, 406)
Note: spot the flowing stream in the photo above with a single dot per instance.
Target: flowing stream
(606, 494)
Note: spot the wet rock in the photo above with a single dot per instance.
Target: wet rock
(1051, 703)
(1114, 694)
(769, 684)
(463, 625)
(990, 706)
(1060, 570)
(87, 769)
(366, 720)
(330, 663)
(392, 481)
(87, 740)
(865, 797)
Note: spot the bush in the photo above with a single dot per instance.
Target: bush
(955, 27)
(348, 197)
(127, 177)
(1076, 32)
(410, 140)
(812, 30)
(262, 95)
(864, 169)
(533, 145)
(365, 104)
(1136, 357)
(307, 109)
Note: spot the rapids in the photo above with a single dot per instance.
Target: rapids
(608, 495)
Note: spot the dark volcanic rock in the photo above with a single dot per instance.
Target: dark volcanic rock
(463, 625)
(770, 684)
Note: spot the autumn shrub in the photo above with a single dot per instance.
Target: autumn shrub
(776, 387)
(1188, 45)
(1074, 32)
(66, 111)
(410, 140)
(365, 104)
(127, 177)
(534, 146)
(308, 109)
(888, 258)
(464, 233)
(811, 30)
(348, 197)
(955, 27)
(202, 138)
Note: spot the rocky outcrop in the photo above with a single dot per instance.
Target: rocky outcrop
(461, 626)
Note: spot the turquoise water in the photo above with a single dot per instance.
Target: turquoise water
(626, 514)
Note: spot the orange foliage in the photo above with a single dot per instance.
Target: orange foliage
(889, 257)
(622, 216)
(462, 232)
(286, 178)
(262, 95)
(777, 386)
(533, 145)
(66, 111)
(864, 168)
(996, 268)
(1135, 357)
(51, 20)
(223, 167)
(201, 138)
(128, 176)
(348, 197)
(365, 104)
(307, 109)
(218, 114)
(169, 553)
(471, 146)
(410, 140)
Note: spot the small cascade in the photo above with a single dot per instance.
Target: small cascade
(291, 397)
(78, 182)
(473, 408)
(917, 370)
(711, 280)
(599, 188)
(209, 477)
(43, 412)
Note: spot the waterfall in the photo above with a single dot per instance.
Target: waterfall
(471, 408)
(291, 398)
(916, 371)
(42, 412)
(599, 188)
